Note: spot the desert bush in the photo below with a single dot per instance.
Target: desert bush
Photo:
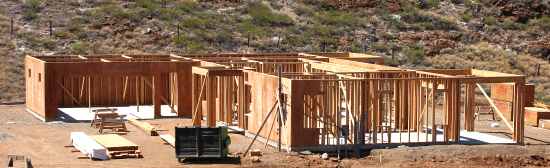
(337, 18)
(490, 20)
(262, 15)
(197, 23)
(31, 8)
(425, 21)
(466, 16)
(80, 47)
(414, 54)
(512, 25)
(542, 23)
(181, 8)
(248, 27)
(428, 4)
(303, 10)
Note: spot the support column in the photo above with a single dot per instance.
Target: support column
(456, 110)
(211, 100)
(158, 87)
(241, 101)
(519, 112)
(198, 93)
(184, 86)
(469, 105)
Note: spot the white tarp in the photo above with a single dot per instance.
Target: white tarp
(88, 146)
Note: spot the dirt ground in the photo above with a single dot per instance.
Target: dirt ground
(21, 133)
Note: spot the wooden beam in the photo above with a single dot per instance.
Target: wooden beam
(495, 108)
(127, 57)
(69, 93)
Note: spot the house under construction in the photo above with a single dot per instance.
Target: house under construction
(302, 100)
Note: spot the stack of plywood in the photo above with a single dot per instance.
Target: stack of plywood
(118, 146)
(88, 146)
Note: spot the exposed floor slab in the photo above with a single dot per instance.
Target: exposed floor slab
(83, 114)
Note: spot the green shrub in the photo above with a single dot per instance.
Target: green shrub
(512, 25)
(414, 54)
(63, 34)
(467, 16)
(262, 15)
(337, 18)
(302, 10)
(181, 8)
(425, 21)
(490, 20)
(247, 27)
(543, 23)
(148, 4)
(428, 4)
(31, 8)
(197, 23)
(470, 3)
(80, 47)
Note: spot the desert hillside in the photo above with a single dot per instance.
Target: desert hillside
(506, 36)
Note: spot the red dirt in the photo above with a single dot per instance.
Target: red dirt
(21, 133)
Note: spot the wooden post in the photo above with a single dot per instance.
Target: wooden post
(211, 101)
(242, 106)
(519, 112)
(158, 90)
(183, 89)
(469, 105)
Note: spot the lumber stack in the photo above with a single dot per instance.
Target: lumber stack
(118, 146)
(88, 146)
(146, 127)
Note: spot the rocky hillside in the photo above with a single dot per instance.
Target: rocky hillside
(507, 36)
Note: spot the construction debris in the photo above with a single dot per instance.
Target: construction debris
(168, 139)
(255, 159)
(256, 152)
(13, 158)
(324, 156)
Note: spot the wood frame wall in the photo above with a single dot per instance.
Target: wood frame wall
(324, 94)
